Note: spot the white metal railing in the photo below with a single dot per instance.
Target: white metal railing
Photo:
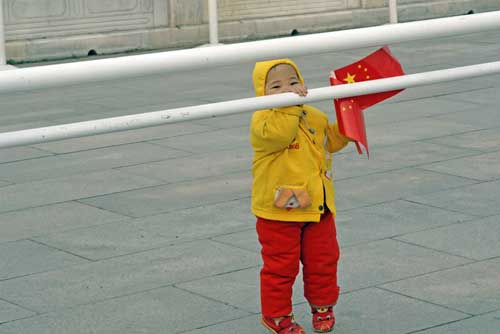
(182, 60)
(66, 131)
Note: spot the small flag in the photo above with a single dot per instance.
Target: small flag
(378, 65)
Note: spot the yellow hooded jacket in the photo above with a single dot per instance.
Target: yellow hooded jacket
(289, 156)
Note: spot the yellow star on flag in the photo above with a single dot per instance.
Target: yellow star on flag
(350, 78)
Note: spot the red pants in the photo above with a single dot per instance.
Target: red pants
(284, 244)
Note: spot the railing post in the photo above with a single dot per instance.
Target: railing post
(213, 22)
(393, 11)
(3, 57)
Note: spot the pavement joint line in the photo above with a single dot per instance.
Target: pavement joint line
(166, 245)
(27, 159)
(176, 158)
(232, 245)
(60, 249)
(97, 301)
(18, 305)
(440, 95)
(163, 212)
(53, 204)
(217, 323)
(380, 285)
(425, 140)
(170, 147)
(434, 249)
(423, 300)
(148, 141)
(472, 215)
(422, 168)
(152, 187)
(210, 299)
(233, 232)
(439, 325)
(416, 166)
(493, 179)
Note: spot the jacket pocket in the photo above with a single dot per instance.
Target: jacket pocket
(287, 197)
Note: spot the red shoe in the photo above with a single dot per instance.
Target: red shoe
(323, 319)
(287, 325)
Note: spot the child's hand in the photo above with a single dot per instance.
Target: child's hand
(299, 90)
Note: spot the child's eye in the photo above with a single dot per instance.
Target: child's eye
(276, 87)
(294, 83)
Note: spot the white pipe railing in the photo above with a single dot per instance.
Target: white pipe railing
(3, 57)
(182, 60)
(393, 11)
(130, 122)
(213, 22)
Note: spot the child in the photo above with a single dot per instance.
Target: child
(293, 199)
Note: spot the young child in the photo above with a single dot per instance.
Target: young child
(293, 199)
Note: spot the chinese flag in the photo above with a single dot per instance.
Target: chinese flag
(378, 65)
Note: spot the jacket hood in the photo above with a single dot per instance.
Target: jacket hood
(261, 70)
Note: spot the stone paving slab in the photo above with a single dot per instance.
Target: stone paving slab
(104, 241)
(225, 139)
(462, 239)
(381, 312)
(238, 289)
(137, 313)
(21, 153)
(93, 282)
(408, 110)
(206, 221)
(11, 312)
(81, 163)
(42, 220)
(482, 96)
(38, 193)
(392, 219)
(246, 239)
(379, 262)
(485, 324)
(477, 199)
(481, 117)
(412, 130)
(194, 166)
(184, 195)
(482, 140)
(359, 312)
(25, 257)
(485, 167)
(394, 185)
(472, 288)
(121, 138)
(394, 157)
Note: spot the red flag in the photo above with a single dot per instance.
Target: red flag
(378, 65)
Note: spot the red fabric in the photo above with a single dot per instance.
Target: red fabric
(378, 65)
(284, 245)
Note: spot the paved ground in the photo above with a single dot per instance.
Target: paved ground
(150, 231)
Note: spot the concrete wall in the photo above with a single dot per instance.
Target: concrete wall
(53, 29)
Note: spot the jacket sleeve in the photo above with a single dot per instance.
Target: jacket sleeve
(336, 141)
(272, 130)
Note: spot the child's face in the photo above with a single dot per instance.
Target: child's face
(283, 79)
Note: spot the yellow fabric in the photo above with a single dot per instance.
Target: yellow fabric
(288, 156)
